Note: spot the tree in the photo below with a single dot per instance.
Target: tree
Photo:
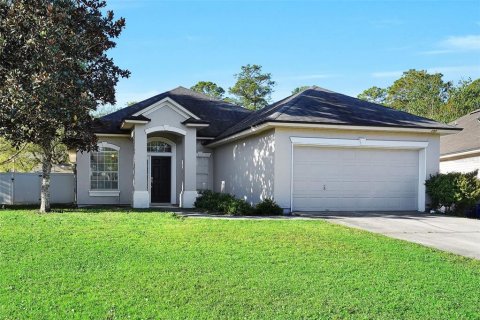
(253, 88)
(16, 159)
(374, 94)
(427, 95)
(54, 72)
(107, 109)
(420, 93)
(209, 88)
(299, 89)
(463, 99)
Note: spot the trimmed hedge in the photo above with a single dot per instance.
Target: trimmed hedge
(457, 192)
(225, 203)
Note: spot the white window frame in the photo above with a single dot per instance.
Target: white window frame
(104, 193)
(173, 166)
(421, 146)
(205, 155)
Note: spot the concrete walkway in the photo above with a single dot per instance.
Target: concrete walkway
(453, 234)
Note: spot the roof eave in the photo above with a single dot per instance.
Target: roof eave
(262, 126)
(106, 134)
(129, 124)
(197, 125)
(460, 154)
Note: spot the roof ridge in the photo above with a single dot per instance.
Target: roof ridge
(377, 104)
(291, 98)
(270, 108)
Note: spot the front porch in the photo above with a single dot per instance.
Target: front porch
(164, 166)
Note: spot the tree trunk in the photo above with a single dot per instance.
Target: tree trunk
(45, 189)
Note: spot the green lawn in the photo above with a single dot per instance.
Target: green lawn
(147, 265)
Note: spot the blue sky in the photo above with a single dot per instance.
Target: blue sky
(345, 46)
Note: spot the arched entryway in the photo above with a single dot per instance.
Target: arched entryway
(180, 146)
(161, 154)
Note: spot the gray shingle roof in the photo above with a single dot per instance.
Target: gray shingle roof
(466, 140)
(219, 114)
(314, 105)
(321, 106)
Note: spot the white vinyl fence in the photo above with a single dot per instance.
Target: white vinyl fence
(24, 188)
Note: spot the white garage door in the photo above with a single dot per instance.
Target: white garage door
(349, 179)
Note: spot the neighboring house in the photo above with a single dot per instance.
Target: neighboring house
(461, 152)
(316, 150)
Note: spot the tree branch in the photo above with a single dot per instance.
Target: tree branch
(13, 156)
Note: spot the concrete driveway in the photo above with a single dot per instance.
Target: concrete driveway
(453, 234)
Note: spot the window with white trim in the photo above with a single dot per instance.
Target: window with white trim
(158, 146)
(104, 169)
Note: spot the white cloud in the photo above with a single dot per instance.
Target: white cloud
(456, 44)
(470, 42)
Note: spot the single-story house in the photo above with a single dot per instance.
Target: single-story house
(316, 150)
(460, 152)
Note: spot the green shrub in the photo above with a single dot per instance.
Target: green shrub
(222, 203)
(211, 201)
(268, 207)
(238, 207)
(455, 191)
(225, 203)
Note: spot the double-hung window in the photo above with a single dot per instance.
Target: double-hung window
(104, 169)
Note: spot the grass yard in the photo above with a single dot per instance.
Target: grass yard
(147, 265)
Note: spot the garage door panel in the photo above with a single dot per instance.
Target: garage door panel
(317, 170)
(342, 194)
(355, 187)
(354, 204)
(354, 179)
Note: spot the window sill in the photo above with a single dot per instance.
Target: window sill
(104, 193)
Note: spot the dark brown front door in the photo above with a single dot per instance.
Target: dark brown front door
(161, 179)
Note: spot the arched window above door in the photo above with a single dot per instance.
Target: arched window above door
(158, 146)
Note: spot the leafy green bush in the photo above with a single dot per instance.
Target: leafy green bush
(455, 191)
(211, 201)
(222, 203)
(268, 207)
(238, 207)
(225, 203)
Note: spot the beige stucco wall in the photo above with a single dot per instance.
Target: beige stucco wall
(168, 116)
(245, 168)
(163, 116)
(166, 120)
(126, 171)
(283, 151)
(125, 175)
